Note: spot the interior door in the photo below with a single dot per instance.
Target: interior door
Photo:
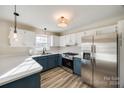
(105, 62)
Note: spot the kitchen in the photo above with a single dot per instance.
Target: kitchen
(67, 47)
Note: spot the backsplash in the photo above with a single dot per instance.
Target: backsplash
(74, 49)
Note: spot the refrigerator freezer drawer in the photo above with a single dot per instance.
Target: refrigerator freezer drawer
(86, 73)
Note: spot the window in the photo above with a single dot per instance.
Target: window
(42, 42)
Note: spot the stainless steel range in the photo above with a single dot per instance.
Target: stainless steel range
(67, 59)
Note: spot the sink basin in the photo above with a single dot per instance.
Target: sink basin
(46, 53)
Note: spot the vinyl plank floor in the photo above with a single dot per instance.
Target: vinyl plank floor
(60, 78)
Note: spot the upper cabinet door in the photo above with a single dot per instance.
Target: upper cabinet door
(55, 40)
(62, 41)
(105, 30)
(78, 38)
(70, 39)
(67, 39)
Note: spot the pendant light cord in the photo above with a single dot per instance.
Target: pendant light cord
(16, 14)
(15, 20)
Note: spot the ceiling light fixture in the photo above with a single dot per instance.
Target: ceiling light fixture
(62, 22)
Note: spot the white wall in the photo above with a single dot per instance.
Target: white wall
(5, 48)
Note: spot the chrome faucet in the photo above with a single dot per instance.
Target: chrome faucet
(44, 51)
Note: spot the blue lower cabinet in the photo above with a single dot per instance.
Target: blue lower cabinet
(77, 66)
(52, 61)
(49, 61)
(56, 60)
(59, 60)
(43, 61)
(32, 81)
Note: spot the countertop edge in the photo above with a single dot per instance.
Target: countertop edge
(19, 76)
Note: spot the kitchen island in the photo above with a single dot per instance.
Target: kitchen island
(19, 72)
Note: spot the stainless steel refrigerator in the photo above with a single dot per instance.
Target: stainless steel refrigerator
(100, 60)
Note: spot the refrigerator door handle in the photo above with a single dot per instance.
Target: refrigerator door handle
(94, 62)
(120, 39)
(93, 51)
(94, 48)
(93, 59)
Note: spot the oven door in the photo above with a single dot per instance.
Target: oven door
(67, 63)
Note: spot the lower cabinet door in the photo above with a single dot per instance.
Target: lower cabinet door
(43, 62)
(51, 61)
(77, 66)
(56, 60)
(59, 60)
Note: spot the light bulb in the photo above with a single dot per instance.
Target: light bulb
(16, 39)
(62, 25)
(15, 35)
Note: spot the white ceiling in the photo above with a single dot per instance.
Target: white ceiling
(46, 16)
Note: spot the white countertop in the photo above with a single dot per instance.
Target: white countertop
(13, 68)
(81, 57)
(16, 67)
(44, 55)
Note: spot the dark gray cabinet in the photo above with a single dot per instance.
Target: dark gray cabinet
(77, 66)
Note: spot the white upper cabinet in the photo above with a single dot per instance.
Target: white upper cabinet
(67, 39)
(89, 33)
(55, 40)
(98, 31)
(24, 38)
(62, 41)
(107, 29)
(70, 39)
(78, 38)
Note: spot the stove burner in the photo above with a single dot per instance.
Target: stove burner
(71, 54)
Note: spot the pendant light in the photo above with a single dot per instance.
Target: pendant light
(15, 23)
(45, 29)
